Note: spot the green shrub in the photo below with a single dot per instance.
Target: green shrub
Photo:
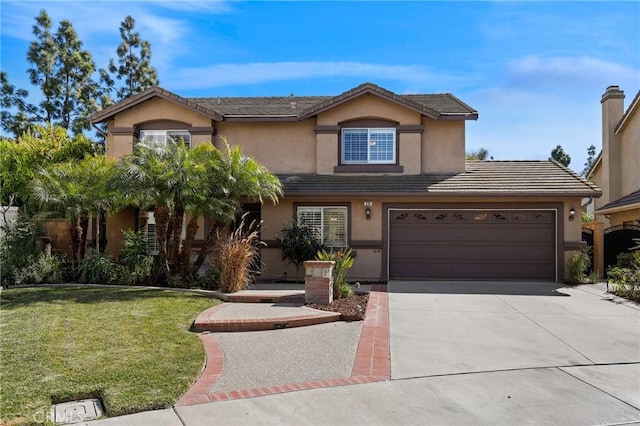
(578, 265)
(625, 276)
(236, 257)
(22, 256)
(99, 268)
(298, 245)
(137, 264)
(626, 260)
(210, 280)
(343, 262)
(20, 247)
(45, 269)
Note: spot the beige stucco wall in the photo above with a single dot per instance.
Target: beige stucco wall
(283, 147)
(368, 106)
(443, 145)
(368, 265)
(630, 158)
(160, 109)
(116, 223)
(625, 217)
(410, 153)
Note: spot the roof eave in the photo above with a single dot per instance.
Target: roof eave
(148, 94)
(618, 209)
(625, 118)
(261, 118)
(369, 88)
(448, 194)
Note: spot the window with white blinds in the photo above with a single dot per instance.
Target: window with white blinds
(163, 137)
(329, 224)
(369, 146)
(152, 236)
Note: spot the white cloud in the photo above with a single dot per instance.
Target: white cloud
(561, 73)
(262, 72)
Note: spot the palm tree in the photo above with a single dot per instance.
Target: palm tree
(147, 180)
(232, 177)
(77, 190)
(174, 180)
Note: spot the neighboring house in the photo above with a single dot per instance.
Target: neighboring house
(382, 173)
(617, 171)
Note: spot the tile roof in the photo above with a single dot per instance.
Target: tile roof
(630, 200)
(440, 106)
(485, 178)
(146, 95)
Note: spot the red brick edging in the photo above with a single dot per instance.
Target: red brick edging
(372, 363)
(204, 322)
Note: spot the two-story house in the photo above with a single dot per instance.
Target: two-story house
(382, 173)
(617, 171)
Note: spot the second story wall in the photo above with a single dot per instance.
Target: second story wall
(443, 146)
(630, 155)
(283, 147)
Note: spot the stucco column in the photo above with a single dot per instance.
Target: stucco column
(318, 282)
(598, 246)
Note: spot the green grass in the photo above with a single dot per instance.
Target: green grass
(129, 346)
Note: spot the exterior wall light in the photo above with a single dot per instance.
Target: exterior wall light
(572, 214)
(367, 209)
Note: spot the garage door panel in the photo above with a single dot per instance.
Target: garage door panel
(499, 244)
(516, 234)
(524, 254)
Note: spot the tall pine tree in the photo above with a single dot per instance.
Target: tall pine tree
(133, 65)
(63, 72)
(15, 110)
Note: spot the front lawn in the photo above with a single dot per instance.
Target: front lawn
(129, 346)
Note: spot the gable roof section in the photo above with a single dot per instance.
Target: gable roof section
(635, 104)
(439, 106)
(293, 108)
(628, 202)
(148, 94)
(481, 178)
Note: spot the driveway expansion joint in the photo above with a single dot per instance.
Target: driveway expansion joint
(545, 329)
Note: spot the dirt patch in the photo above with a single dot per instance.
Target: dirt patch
(352, 308)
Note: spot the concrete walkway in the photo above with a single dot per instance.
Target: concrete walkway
(468, 353)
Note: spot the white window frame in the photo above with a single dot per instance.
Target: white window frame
(321, 229)
(162, 137)
(370, 143)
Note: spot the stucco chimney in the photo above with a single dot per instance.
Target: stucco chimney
(612, 111)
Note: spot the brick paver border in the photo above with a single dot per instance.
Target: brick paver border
(372, 363)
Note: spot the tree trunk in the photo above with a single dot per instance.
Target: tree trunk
(185, 257)
(75, 231)
(161, 214)
(84, 226)
(207, 246)
(178, 217)
(143, 220)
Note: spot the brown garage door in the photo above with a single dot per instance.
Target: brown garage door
(472, 244)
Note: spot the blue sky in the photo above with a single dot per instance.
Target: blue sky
(535, 71)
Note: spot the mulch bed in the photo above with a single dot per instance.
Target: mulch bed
(352, 308)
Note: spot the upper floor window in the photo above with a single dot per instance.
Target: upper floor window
(162, 137)
(369, 146)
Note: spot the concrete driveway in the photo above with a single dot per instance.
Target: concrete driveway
(540, 338)
(470, 353)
